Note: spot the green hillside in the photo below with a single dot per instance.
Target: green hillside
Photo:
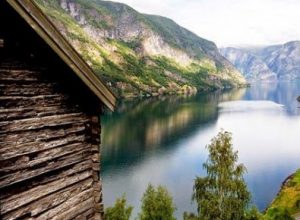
(137, 54)
(288, 199)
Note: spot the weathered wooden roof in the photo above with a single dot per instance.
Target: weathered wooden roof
(34, 16)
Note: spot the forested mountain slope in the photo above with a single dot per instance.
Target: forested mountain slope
(139, 54)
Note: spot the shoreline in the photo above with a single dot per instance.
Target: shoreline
(288, 197)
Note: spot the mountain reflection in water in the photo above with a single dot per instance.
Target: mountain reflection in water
(162, 141)
(141, 126)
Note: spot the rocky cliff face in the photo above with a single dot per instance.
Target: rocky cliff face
(280, 62)
(140, 54)
(283, 59)
(253, 67)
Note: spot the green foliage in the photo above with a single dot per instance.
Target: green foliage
(132, 44)
(253, 214)
(157, 204)
(278, 214)
(190, 216)
(120, 210)
(178, 36)
(288, 199)
(222, 194)
(125, 64)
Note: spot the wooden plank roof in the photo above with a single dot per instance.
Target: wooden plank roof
(34, 16)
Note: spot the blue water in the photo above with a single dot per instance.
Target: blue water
(162, 141)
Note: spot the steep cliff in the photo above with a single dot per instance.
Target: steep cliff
(138, 54)
(253, 67)
(281, 62)
(283, 59)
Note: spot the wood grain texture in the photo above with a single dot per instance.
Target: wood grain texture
(49, 149)
(53, 200)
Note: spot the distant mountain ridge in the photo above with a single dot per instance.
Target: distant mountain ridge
(139, 54)
(278, 62)
(253, 67)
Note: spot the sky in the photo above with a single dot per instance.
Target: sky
(231, 22)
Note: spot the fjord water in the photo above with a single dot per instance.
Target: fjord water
(162, 141)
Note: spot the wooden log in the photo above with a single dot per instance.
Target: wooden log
(49, 201)
(63, 174)
(95, 131)
(25, 102)
(95, 158)
(15, 75)
(14, 202)
(36, 111)
(96, 167)
(42, 157)
(49, 154)
(16, 150)
(6, 140)
(10, 179)
(42, 122)
(32, 89)
(72, 208)
(97, 216)
(86, 215)
(13, 63)
(99, 208)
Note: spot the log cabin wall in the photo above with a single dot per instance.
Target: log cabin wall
(49, 156)
(49, 133)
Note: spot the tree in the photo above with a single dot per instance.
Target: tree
(157, 204)
(120, 210)
(253, 214)
(190, 216)
(278, 214)
(222, 194)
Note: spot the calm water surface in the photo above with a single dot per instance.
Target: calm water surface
(162, 141)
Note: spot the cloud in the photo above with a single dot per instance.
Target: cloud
(231, 22)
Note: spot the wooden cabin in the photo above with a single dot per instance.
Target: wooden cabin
(50, 104)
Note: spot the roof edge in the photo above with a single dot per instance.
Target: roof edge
(42, 25)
